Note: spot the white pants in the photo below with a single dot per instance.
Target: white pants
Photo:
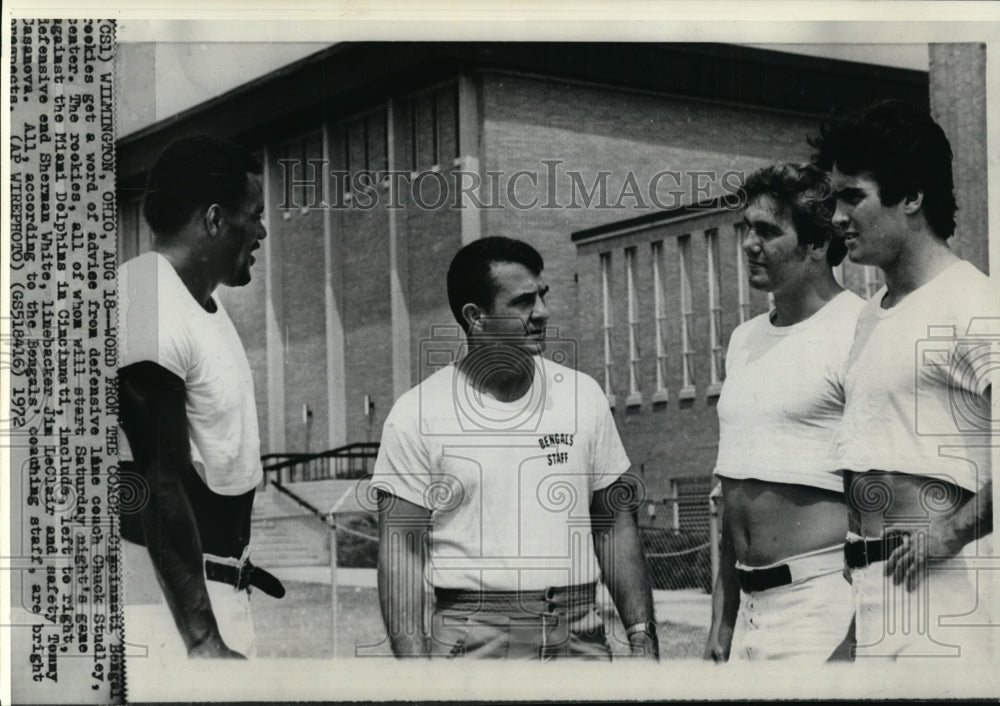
(149, 626)
(947, 615)
(805, 620)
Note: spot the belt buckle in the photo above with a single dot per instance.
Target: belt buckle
(243, 572)
(856, 548)
(549, 597)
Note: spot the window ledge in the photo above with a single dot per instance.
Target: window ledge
(661, 396)
(417, 173)
(634, 400)
(687, 393)
(612, 400)
(715, 389)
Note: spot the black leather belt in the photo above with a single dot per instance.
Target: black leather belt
(244, 576)
(552, 598)
(862, 552)
(763, 579)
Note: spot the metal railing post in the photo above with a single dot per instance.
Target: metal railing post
(334, 597)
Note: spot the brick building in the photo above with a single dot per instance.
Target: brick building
(614, 160)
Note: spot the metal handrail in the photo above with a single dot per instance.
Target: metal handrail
(344, 458)
(360, 449)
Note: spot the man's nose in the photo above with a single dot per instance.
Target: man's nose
(751, 243)
(840, 217)
(541, 311)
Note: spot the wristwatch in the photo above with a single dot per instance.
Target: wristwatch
(648, 627)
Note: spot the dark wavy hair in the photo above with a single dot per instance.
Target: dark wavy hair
(902, 148)
(469, 275)
(193, 173)
(803, 192)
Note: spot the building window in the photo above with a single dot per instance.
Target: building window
(742, 274)
(660, 394)
(680, 289)
(634, 395)
(687, 315)
(345, 151)
(432, 134)
(714, 312)
(675, 497)
(301, 175)
(608, 324)
(360, 152)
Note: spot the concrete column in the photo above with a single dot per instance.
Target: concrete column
(273, 318)
(958, 103)
(398, 278)
(333, 288)
(468, 147)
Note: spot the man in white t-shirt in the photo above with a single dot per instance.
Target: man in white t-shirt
(187, 408)
(915, 441)
(503, 488)
(780, 592)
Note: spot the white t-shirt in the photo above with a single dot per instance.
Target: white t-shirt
(784, 397)
(160, 321)
(915, 380)
(508, 485)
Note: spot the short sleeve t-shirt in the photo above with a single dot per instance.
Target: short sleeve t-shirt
(159, 321)
(783, 398)
(917, 378)
(508, 485)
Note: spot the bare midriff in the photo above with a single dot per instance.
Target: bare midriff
(771, 522)
(877, 498)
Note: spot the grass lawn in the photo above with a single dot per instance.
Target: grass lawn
(300, 626)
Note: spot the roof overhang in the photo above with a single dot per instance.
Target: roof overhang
(349, 77)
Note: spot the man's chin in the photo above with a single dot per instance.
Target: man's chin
(857, 256)
(240, 279)
(530, 347)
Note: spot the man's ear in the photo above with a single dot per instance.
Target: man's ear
(213, 219)
(912, 203)
(818, 250)
(472, 313)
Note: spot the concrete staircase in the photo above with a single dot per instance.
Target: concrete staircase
(285, 534)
